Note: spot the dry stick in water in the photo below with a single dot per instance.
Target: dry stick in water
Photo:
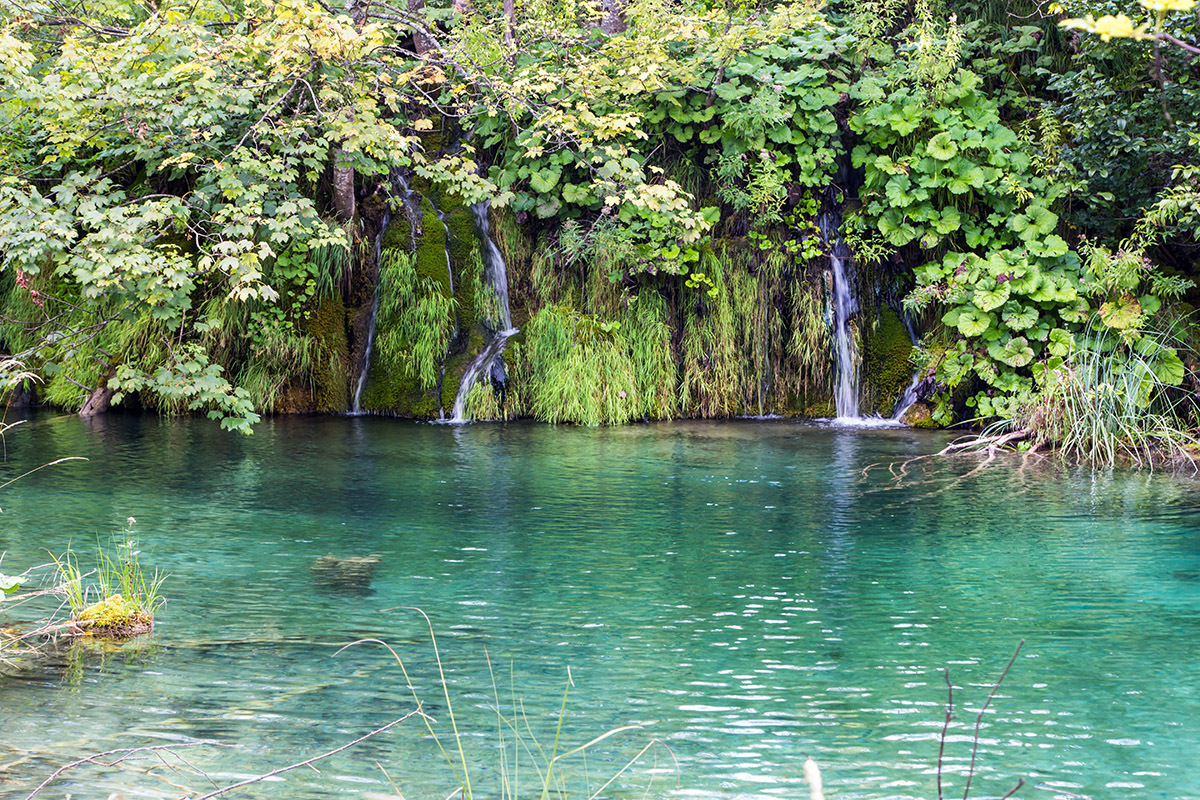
(945, 728)
(979, 721)
(127, 752)
(308, 761)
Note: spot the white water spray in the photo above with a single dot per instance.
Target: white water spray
(490, 361)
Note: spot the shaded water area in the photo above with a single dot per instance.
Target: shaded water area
(739, 589)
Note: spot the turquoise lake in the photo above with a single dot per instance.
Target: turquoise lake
(740, 590)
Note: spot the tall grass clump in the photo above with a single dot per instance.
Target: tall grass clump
(810, 345)
(648, 331)
(1115, 399)
(712, 362)
(581, 371)
(415, 320)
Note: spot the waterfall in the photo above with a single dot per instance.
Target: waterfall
(910, 394)
(907, 399)
(845, 305)
(490, 361)
(356, 408)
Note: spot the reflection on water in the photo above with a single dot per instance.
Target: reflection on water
(741, 590)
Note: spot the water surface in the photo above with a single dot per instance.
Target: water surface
(741, 590)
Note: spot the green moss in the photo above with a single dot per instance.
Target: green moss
(886, 350)
(400, 233)
(327, 325)
(431, 249)
(920, 415)
(464, 251)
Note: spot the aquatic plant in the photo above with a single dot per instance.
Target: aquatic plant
(518, 748)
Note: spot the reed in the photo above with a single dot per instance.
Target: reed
(524, 765)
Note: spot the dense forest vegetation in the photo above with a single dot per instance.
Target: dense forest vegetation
(599, 213)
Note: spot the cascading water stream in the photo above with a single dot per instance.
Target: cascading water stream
(910, 394)
(845, 304)
(490, 361)
(356, 408)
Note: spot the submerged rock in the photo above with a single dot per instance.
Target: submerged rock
(351, 575)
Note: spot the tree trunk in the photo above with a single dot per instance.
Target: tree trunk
(421, 43)
(343, 177)
(510, 14)
(612, 17)
(343, 189)
(100, 398)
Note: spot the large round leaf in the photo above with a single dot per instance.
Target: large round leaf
(942, 146)
(1019, 317)
(1016, 353)
(988, 299)
(973, 322)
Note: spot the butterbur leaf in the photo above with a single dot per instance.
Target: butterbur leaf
(948, 222)
(973, 322)
(1060, 343)
(1121, 314)
(942, 147)
(1018, 317)
(1037, 221)
(1052, 246)
(1016, 353)
(544, 180)
(1168, 368)
(988, 299)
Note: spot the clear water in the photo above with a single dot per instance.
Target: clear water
(739, 589)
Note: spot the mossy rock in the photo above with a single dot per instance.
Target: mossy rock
(431, 249)
(113, 618)
(327, 325)
(819, 410)
(886, 351)
(393, 392)
(400, 232)
(919, 415)
(463, 246)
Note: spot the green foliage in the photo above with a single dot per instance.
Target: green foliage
(415, 318)
(1112, 399)
(580, 372)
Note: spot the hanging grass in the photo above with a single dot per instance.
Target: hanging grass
(415, 320)
(581, 372)
(712, 370)
(810, 343)
(647, 332)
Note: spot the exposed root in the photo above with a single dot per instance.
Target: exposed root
(989, 445)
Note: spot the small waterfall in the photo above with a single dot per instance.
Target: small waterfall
(356, 408)
(493, 262)
(845, 305)
(490, 361)
(910, 394)
(908, 398)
